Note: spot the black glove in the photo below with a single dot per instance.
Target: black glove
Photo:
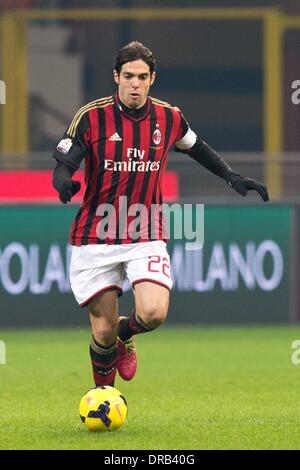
(67, 190)
(242, 185)
(63, 184)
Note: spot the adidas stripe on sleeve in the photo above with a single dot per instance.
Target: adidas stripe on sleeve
(73, 146)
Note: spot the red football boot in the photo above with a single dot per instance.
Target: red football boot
(127, 360)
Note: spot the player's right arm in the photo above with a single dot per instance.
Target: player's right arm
(69, 154)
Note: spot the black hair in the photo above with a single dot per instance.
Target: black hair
(134, 51)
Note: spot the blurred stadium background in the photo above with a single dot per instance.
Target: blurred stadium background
(230, 67)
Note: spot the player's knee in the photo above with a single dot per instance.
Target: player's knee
(154, 316)
(104, 331)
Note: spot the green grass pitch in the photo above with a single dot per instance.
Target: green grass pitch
(196, 388)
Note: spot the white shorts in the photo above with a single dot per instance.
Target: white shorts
(96, 268)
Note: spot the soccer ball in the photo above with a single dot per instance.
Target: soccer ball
(103, 408)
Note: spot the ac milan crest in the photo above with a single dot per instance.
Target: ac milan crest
(156, 136)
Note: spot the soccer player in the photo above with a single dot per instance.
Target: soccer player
(124, 140)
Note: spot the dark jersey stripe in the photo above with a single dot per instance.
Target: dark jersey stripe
(161, 232)
(141, 228)
(111, 150)
(151, 156)
(136, 139)
(114, 186)
(100, 175)
(155, 201)
(91, 183)
(174, 135)
(91, 167)
(121, 211)
(88, 175)
(146, 187)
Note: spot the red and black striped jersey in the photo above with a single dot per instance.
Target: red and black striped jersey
(125, 160)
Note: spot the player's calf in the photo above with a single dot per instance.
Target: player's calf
(127, 358)
(104, 362)
(132, 325)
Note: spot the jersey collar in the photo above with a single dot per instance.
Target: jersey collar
(134, 115)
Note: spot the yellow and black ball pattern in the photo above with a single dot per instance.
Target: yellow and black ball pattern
(103, 408)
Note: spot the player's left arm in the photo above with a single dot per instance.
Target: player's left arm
(202, 153)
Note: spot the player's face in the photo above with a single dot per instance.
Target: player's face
(134, 82)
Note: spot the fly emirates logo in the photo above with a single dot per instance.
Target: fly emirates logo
(134, 162)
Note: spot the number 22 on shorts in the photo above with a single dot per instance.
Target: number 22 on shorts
(158, 264)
